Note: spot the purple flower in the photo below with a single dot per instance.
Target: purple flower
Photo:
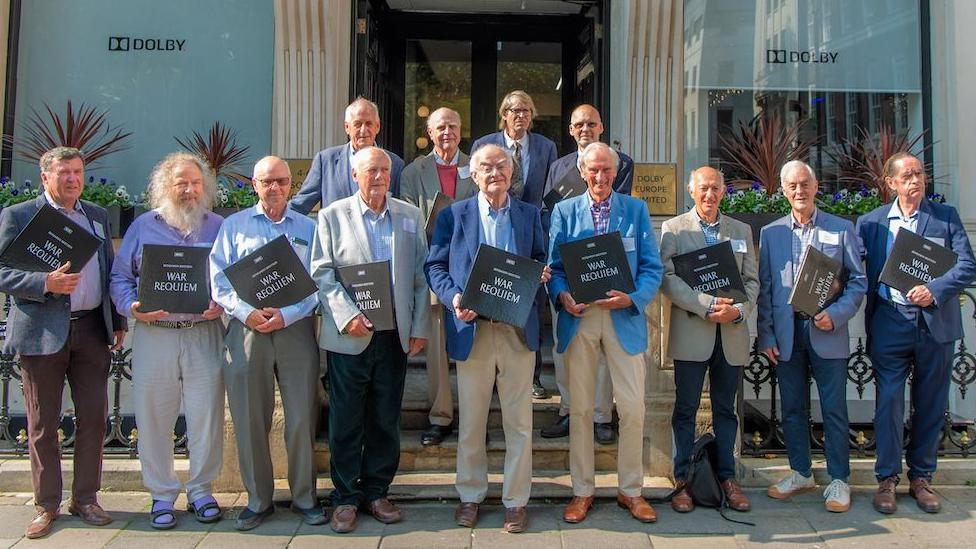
(91, 178)
(14, 192)
(27, 183)
(837, 196)
(756, 186)
(101, 180)
(240, 185)
(729, 189)
(4, 179)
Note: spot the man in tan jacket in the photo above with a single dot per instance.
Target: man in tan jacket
(707, 334)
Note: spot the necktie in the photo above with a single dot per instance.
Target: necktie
(517, 183)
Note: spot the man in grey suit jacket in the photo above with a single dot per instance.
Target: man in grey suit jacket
(63, 326)
(707, 333)
(330, 175)
(799, 345)
(445, 170)
(367, 368)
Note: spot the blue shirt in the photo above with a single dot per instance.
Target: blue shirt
(242, 234)
(897, 222)
(379, 231)
(496, 225)
(151, 228)
(87, 295)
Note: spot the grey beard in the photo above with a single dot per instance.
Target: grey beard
(186, 219)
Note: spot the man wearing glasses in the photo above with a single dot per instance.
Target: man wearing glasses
(264, 344)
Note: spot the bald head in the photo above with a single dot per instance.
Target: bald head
(272, 183)
(585, 125)
(706, 186)
(444, 130)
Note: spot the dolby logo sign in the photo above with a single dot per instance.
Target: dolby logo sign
(130, 44)
(793, 56)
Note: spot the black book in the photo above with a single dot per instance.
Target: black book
(175, 279)
(570, 185)
(502, 286)
(915, 260)
(48, 241)
(370, 285)
(272, 276)
(596, 265)
(712, 270)
(441, 201)
(820, 281)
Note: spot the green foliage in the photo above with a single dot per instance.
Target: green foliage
(106, 193)
(238, 194)
(11, 194)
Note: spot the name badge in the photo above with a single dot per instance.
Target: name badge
(99, 230)
(827, 237)
(464, 172)
(739, 246)
(628, 244)
(936, 240)
(409, 225)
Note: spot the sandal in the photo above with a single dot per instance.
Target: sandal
(159, 510)
(200, 507)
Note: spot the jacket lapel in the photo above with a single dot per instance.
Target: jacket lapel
(923, 217)
(520, 229)
(471, 224)
(694, 230)
(342, 169)
(428, 176)
(359, 228)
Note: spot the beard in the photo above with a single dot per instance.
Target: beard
(185, 215)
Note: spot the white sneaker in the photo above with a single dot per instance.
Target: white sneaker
(792, 484)
(837, 497)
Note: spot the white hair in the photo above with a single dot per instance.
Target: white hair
(691, 178)
(794, 165)
(475, 161)
(593, 148)
(442, 113)
(361, 102)
(364, 153)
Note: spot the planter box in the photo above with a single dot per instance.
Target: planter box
(114, 221)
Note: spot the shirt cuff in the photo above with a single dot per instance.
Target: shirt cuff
(711, 306)
(741, 317)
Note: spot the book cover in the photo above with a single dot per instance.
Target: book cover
(712, 270)
(502, 286)
(370, 285)
(175, 279)
(596, 265)
(915, 260)
(820, 280)
(48, 241)
(570, 185)
(272, 276)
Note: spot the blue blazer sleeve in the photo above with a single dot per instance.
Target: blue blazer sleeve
(764, 305)
(625, 175)
(948, 286)
(437, 267)
(311, 192)
(849, 302)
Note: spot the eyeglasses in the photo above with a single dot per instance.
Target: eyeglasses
(519, 112)
(581, 125)
(273, 182)
(905, 176)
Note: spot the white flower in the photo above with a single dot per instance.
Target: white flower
(739, 193)
(843, 192)
(874, 192)
(857, 197)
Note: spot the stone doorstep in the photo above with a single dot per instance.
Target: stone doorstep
(761, 472)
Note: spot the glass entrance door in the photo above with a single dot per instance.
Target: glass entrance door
(437, 74)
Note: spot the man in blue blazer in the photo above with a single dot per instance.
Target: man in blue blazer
(919, 327)
(488, 353)
(797, 344)
(63, 326)
(531, 152)
(586, 127)
(617, 324)
(330, 175)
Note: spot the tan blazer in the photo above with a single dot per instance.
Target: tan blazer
(691, 337)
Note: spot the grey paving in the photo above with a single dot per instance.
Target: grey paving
(801, 522)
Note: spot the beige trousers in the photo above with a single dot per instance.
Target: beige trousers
(499, 357)
(438, 372)
(627, 373)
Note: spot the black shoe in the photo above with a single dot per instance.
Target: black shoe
(604, 433)
(249, 520)
(538, 391)
(559, 429)
(435, 434)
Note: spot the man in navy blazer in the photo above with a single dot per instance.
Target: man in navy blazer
(614, 327)
(330, 175)
(533, 152)
(919, 327)
(797, 344)
(488, 353)
(63, 326)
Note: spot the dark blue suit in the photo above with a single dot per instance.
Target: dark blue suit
(542, 153)
(452, 251)
(330, 179)
(902, 335)
(562, 166)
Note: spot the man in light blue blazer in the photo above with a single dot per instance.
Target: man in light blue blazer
(797, 344)
(617, 324)
(912, 332)
(488, 353)
(330, 175)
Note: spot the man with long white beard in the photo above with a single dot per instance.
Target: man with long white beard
(175, 357)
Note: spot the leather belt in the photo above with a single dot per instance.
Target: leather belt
(78, 315)
(176, 324)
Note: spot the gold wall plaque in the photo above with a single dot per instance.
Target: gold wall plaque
(299, 170)
(657, 185)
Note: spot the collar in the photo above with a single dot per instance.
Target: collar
(484, 207)
(591, 203)
(453, 162)
(813, 219)
(259, 212)
(509, 142)
(365, 210)
(702, 222)
(895, 212)
(56, 206)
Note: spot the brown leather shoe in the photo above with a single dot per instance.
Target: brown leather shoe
(884, 498)
(921, 490)
(516, 520)
(91, 513)
(384, 511)
(638, 507)
(734, 495)
(344, 519)
(681, 501)
(577, 508)
(466, 514)
(42, 524)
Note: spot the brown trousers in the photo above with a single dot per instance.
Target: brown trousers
(84, 361)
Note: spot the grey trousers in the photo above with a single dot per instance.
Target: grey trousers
(255, 360)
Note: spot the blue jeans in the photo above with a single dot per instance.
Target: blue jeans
(900, 337)
(831, 378)
(689, 377)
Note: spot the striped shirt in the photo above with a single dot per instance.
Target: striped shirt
(802, 238)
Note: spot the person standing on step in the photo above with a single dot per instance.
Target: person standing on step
(489, 354)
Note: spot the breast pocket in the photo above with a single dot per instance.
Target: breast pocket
(833, 251)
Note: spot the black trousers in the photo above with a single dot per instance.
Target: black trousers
(365, 396)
